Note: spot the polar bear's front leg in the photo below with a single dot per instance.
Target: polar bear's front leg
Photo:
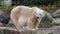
(18, 26)
(30, 24)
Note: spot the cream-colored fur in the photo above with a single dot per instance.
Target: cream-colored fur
(24, 16)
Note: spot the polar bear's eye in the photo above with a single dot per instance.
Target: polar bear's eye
(35, 12)
(39, 14)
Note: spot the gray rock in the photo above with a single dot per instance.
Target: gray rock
(10, 22)
(57, 21)
(1, 12)
(1, 24)
(56, 29)
(4, 18)
(56, 13)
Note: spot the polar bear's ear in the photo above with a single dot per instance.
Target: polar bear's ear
(34, 9)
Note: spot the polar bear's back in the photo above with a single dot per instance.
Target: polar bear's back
(23, 10)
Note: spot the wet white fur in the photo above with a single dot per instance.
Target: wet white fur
(23, 20)
(39, 13)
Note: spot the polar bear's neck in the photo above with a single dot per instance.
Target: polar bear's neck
(38, 10)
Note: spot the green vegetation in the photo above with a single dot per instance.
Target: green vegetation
(35, 2)
(8, 25)
(1, 32)
(6, 9)
(46, 25)
(50, 33)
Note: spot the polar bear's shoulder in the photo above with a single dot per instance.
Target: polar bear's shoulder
(39, 10)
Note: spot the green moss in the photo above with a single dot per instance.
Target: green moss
(1, 32)
(6, 9)
(46, 25)
(8, 25)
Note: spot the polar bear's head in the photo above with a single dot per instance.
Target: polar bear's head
(39, 13)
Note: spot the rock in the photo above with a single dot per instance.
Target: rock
(57, 21)
(1, 24)
(56, 29)
(10, 22)
(1, 12)
(56, 13)
(4, 18)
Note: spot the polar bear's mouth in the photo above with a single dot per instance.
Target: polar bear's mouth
(37, 17)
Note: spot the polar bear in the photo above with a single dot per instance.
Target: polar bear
(28, 17)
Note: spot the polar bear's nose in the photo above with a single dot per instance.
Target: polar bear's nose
(37, 17)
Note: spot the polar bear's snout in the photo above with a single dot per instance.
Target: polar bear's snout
(37, 17)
